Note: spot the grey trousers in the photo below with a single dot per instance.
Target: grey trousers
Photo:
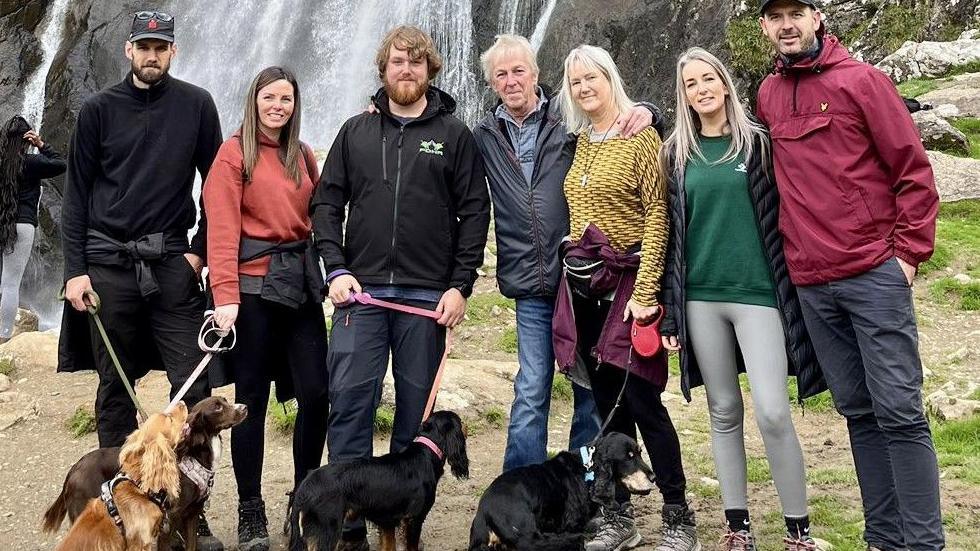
(864, 332)
(715, 327)
(12, 270)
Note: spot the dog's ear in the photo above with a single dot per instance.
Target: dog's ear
(604, 488)
(454, 446)
(131, 453)
(158, 468)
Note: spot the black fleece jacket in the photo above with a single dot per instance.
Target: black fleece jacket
(417, 199)
(131, 165)
(46, 163)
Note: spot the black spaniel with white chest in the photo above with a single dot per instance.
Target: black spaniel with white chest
(546, 507)
(394, 491)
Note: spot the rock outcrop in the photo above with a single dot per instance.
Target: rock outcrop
(956, 177)
(938, 134)
(930, 59)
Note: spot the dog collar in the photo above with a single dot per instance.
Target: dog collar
(201, 476)
(428, 443)
(586, 453)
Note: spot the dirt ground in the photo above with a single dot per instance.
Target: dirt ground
(37, 451)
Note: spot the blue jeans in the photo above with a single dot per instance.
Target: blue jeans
(863, 331)
(527, 434)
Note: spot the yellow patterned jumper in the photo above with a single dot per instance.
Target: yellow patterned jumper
(625, 196)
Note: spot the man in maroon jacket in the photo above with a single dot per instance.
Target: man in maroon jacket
(858, 213)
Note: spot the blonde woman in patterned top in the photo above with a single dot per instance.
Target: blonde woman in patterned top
(615, 184)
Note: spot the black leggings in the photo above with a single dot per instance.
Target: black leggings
(640, 406)
(278, 343)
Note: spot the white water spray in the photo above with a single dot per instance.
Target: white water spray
(51, 35)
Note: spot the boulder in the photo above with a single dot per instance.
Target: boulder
(956, 177)
(929, 59)
(938, 134)
(25, 322)
(32, 352)
(962, 91)
(949, 408)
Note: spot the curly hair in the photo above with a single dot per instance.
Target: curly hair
(13, 147)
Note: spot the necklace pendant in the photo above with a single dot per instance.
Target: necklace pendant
(585, 180)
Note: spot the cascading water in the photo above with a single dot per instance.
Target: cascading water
(34, 92)
(330, 45)
(537, 37)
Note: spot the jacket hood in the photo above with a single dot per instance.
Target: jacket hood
(832, 52)
(438, 101)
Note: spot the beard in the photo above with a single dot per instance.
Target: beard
(405, 92)
(150, 74)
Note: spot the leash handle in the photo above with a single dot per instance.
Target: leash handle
(209, 326)
(366, 298)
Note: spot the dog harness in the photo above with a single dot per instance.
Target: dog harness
(586, 453)
(201, 476)
(428, 443)
(109, 486)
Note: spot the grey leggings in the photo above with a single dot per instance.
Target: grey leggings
(714, 328)
(11, 272)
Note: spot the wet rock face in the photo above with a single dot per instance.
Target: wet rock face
(20, 52)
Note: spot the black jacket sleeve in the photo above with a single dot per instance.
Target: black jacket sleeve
(472, 205)
(658, 118)
(47, 164)
(83, 168)
(328, 203)
(208, 142)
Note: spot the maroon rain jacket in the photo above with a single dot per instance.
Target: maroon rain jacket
(855, 185)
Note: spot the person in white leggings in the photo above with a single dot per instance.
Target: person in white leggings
(730, 306)
(20, 192)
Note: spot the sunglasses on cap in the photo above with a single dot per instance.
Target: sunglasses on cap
(158, 15)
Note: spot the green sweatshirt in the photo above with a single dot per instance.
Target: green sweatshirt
(725, 259)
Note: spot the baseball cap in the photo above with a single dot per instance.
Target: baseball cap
(766, 3)
(152, 24)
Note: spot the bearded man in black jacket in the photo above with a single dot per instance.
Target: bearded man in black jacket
(418, 210)
(127, 209)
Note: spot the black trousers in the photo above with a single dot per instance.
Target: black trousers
(170, 321)
(278, 343)
(640, 406)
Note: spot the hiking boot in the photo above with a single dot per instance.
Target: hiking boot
(800, 543)
(206, 541)
(616, 531)
(253, 532)
(743, 540)
(679, 532)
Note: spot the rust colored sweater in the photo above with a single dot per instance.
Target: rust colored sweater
(271, 207)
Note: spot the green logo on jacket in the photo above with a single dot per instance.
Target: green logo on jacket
(432, 147)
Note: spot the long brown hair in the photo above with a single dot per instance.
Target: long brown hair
(13, 147)
(290, 148)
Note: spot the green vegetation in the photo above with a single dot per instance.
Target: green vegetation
(897, 23)
(384, 420)
(958, 448)
(479, 308)
(834, 477)
(971, 128)
(282, 415)
(964, 296)
(751, 52)
(957, 229)
(7, 366)
(757, 469)
(917, 87)
(561, 388)
(674, 365)
(81, 422)
(821, 403)
(838, 523)
(508, 340)
(494, 417)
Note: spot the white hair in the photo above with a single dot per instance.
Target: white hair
(507, 45)
(682, 144)
(596, 59)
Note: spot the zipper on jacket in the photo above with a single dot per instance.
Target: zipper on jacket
(384, 156)
(394, 217)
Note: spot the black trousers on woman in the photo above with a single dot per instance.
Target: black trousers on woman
(640, 406)
(278, 343)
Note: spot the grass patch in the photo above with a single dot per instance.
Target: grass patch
(958, 448)
(969, 126)
(971, 67)
(508, 340)
(833, 477)
(975, 395)
(81, 422)
(963, 296)
(674, 365)
(757, 469)
(957, 229)
(705, 491)
(494, 417)
(896, 24)
(479, 308)
(7, 366)
(283, 415)
(384, 420)
(836, 522)
(561, 388)
(917, 87)
(821, 403)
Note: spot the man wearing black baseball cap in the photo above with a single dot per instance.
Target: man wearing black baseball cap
(858, 208)
(127, 209)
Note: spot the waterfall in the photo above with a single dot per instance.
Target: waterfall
(537, 37)
(329, 44)
(54, 26)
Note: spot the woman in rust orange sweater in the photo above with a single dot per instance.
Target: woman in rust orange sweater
(266, 281)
